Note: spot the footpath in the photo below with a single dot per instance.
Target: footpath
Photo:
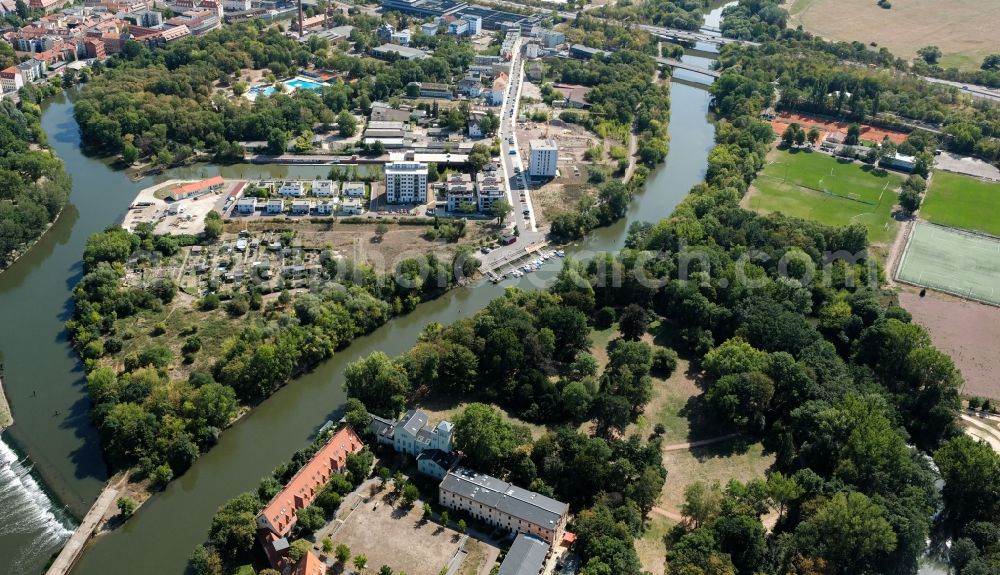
(6, 417)
(74, 547)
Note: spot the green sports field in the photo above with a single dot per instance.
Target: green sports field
(952, 261)
(962, 202)
(814, 186)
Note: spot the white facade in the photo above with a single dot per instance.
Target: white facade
(459, 191)
(11, 82)
(246, 206)
(324, 189)
(292, 190)
(326, 207)
(274, 206)
(503, 504)
(406, 182)
(490, 188)
(354, 189)
(544, 158)
(236, 5)
(352, 206)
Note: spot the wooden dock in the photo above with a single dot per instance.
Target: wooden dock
(74, 547)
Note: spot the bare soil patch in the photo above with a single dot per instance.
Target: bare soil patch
(397, 537)
(965, 28)
(966, 330)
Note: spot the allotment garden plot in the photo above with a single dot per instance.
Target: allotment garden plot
(814, 186)
(953, 261)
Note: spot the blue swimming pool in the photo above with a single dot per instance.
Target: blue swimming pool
(300, 84)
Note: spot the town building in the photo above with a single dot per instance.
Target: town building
(310, 564)
(11, 80)
(544, 158)
(354, 189)
(276, 520)
(325, 188)
(326, 207)
(352, 206)
(900, 162)
(459, 192)
(551, 38)
(423, 8)
(499, 88)
(406, 182)
(502, 504)
(475, 125)
(386, 51)
(526, 556)
(584, 52)
(412, 434)
(433, 90)
(382, 112)
(196, 189)
(293, 189)
(400, 37)
(246, 206)
(274, 206)
(301, 207)
(236, 5)
(429, 28)
(511, 44)
(489, 185)
(436, 463)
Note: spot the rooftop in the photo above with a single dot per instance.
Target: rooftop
(532, 507)
(526, 556)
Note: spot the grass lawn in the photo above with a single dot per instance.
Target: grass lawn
(794, 184)
(962, 202)
(717, 462)
(670, 397)
(652, 552)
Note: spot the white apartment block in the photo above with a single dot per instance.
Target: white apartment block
(292, 190)
(489, 184)
(406, 182)
(503, 504)
(544, 158)
(459, 191)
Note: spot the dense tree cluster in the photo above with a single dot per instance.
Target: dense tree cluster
(160, 425)
(813, 77)
(683, 14)
(33, 185)
(168, 103)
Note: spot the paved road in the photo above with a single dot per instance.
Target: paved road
(971, 89)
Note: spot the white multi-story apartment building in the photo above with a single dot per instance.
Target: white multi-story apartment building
(292, 190)
(490, 187)
(503, 504)
(544, 158)
(406, 182)
(459, 191)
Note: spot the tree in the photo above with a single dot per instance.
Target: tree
(235, 525)
(814, 135)
(462, 527)
(800, 137)
(129, 153)
(788, 137)
(991, 62)
(380, 230)
(633, 322)
(385, 570)
(484, 436)
(428, 512)
(853, 134)
(380, 383)
(445, 518)
(479, 156)
(125, 506)
(277, 142)
(327, 545)
(500, 210)
(213, 225)
(298, 549)
(342, 553)
(347, 124)
(205, 561)
(360, 562)
(701, 502)
(356, 415)
(850, 531)
(971, 473)
(909, 200)
(410, 494)
(930, 54)
(21, 7)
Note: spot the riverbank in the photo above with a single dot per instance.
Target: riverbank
(23, 250)
(6, 416)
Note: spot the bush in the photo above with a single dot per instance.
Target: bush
(974, 402)
(125, 506)
(664, 361)
(210, 302)
(159, 329)
(112, 345)
(238, 306)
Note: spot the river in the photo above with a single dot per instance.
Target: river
(44, 379)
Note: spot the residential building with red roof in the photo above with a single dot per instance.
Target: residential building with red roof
(280, 514)
(310, 564)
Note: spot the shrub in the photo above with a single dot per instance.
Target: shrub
(664, 361)
(210, 302)
(604, 317)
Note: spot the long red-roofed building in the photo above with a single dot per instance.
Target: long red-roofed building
(280, 514)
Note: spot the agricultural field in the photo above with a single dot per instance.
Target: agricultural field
(814, 186)
(962, 202)
(952, 261)
(964, 30)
